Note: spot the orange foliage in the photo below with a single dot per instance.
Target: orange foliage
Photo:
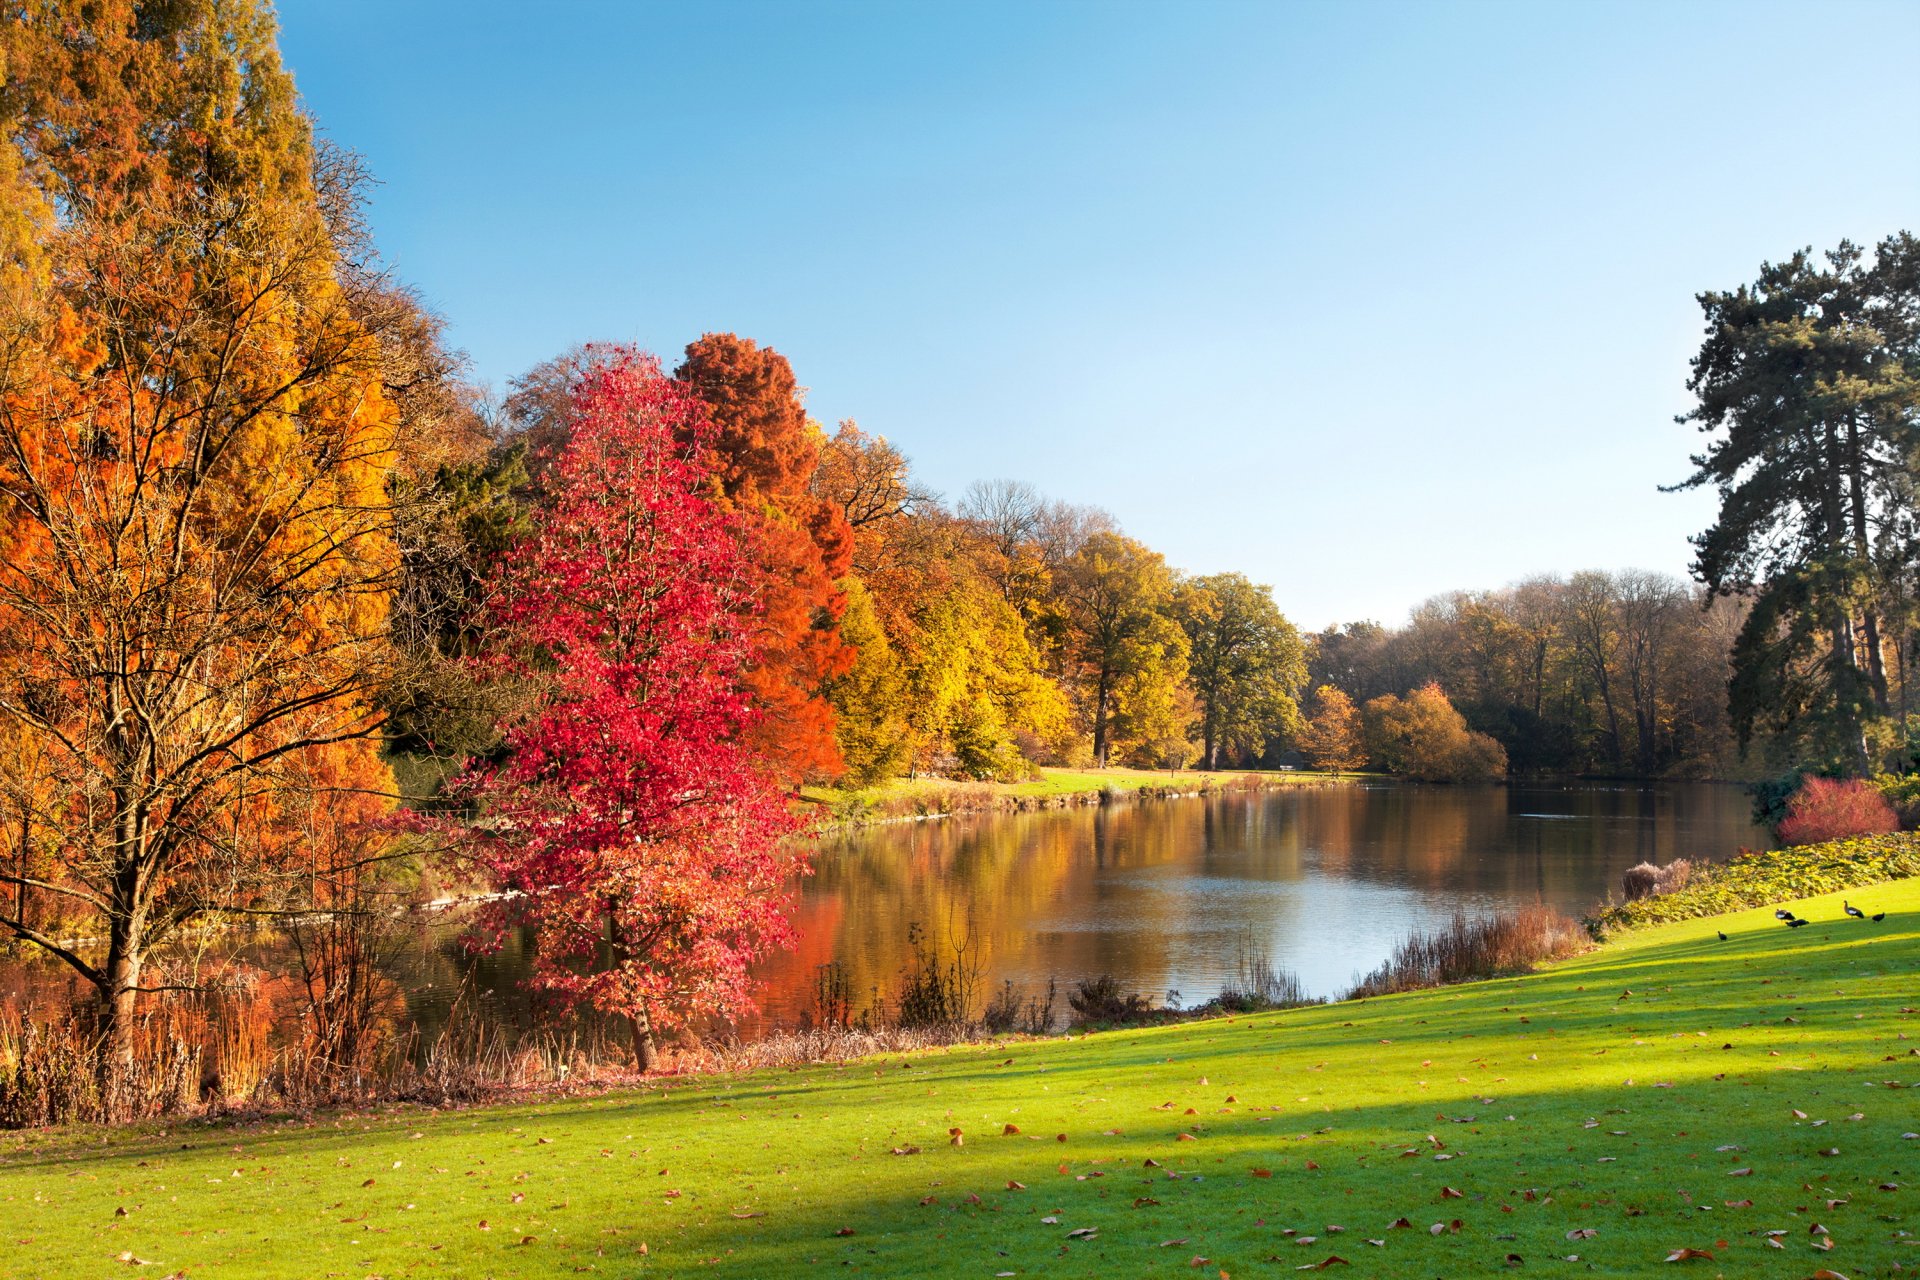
(764, 453)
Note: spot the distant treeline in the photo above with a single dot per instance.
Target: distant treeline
(1618, 673)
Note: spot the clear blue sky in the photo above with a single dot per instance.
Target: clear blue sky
(1366, 301)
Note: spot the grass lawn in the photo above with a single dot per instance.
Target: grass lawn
(1669, 1091)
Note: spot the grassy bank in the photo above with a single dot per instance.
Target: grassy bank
(901, 799)
(1668, 1090)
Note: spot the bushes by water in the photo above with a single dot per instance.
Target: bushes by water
(1761, 878)
(1826, 809)
(1468, 948)
(1644, 879)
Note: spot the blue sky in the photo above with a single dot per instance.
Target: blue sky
(1367, 301)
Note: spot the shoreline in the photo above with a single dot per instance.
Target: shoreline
(928, 799)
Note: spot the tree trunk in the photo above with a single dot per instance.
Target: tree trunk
(1102, 696)
(1863, 552)
(119, 1002)
(646, 1054)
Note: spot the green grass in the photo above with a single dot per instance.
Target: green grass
(1618, 1092)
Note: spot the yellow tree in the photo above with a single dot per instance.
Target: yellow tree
(1126, 654)
(1332, 740)
(195, 550)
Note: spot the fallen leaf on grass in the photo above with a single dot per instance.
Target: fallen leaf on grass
(132, 1261)
(1582, 1233)
(1399, 1222)
(1015, 1186)
(904, 1151)
(1331, 1260)
(753, 1214)
(1145, 1202)
(1083, 1233)
(1007, 1131)
(1739, 1204)
(1448, 1193)
(1739, 1173)
(1261, 1173)
(844, 1231)
(1688, 1255)
(1168, 1244)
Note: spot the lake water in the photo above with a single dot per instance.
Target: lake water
(1162, 895)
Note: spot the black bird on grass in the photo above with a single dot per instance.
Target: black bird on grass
(1852, 910)
(1781, 913)
(1796, 922)
(1722, 933)
(1877, 916)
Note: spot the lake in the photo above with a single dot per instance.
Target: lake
(1162, 894)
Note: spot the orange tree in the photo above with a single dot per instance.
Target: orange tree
(195, 454)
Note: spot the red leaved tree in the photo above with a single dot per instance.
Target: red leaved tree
(638, 833)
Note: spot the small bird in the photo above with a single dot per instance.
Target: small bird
(1781, 913)
(1722, 933)
(1877, 916)
(1852, 910)
(1796, 922)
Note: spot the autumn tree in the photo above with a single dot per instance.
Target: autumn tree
(1332, 738)
(870, 698)
(632, 821)
(1126, 654)
(1246, 664)
(763, 453)
(1423, 736)
(195, 453)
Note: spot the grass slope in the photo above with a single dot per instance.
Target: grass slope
(1620, 1093)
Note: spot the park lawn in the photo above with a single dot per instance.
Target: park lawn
(1622, 1093)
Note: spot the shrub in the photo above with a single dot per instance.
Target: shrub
(1100, 1000)
(1824, 809)
(1645, 880)
(1902, 791)
(1258, 986)
(1757, 879)
(1468, 948)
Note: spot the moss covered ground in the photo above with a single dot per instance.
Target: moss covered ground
(1668, 1091)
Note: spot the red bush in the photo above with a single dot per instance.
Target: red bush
(1823, 809)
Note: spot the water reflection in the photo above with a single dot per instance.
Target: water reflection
(1160, 894)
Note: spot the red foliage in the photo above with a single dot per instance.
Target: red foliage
(763, 452)
(1825, 809)
(630, 817)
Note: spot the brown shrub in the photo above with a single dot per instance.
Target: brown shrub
(1468, 948)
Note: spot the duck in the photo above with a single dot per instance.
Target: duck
(1781, 913)
(1796, 922)
(1852, 910)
